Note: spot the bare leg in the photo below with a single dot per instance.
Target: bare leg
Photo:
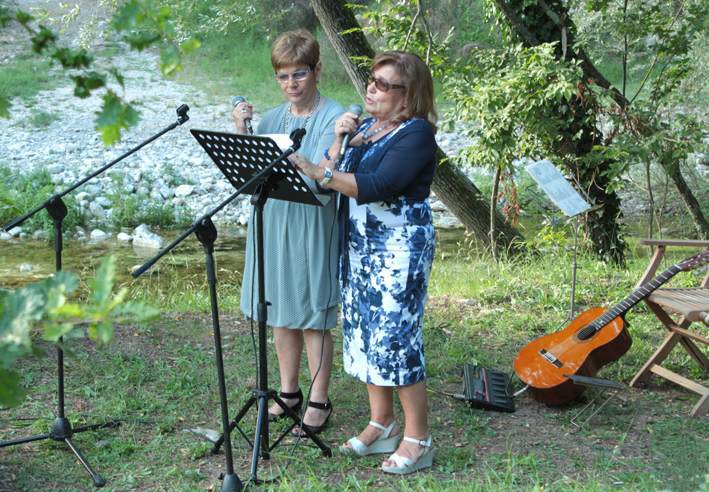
(381, 409)
(414, 402)
(318, 345)
(289, 346)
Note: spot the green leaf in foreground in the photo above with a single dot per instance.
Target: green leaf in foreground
(114, 116)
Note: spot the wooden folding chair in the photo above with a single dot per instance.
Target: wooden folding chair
(691, 309)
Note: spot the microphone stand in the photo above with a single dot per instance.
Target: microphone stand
(61, 429)
(206, 233)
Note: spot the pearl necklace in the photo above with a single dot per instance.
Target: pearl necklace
(369, 133)
(288, 117)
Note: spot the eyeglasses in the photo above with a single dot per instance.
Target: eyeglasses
(298, 75)
(382, 84)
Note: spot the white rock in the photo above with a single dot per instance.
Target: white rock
(184, 190)
(4, 236)
(124, 238)
(25, 268)
(143, 237)
(15, 232)
(99, 235)
(103, 201)
(96, 210)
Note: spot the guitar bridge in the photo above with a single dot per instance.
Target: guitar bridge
(549, 357)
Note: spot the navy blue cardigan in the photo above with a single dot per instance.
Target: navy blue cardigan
(403, 167)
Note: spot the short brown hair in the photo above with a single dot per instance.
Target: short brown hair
(295, 48)
(416, 77)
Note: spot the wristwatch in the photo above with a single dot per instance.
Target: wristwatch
(327, 177)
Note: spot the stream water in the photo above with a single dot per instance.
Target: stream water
(24, 261)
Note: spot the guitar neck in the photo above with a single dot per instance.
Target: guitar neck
(635, 297)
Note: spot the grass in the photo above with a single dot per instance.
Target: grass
(159, 380)
(25, 76)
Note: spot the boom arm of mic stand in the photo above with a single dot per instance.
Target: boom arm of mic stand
(182, 117)
(258, 177)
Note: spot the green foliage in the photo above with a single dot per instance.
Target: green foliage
(22, 192)
(515, 96)
(396, 26)
(42, 119)
(662, 45)
(114, 116)
(263, 19)
(46, 305)
(141, 26)
(130, 209)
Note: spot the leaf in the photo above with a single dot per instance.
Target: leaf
(53, 332)
(42, 39)
(11, 392)
(70, 58)
(102, 283)
(118, 76)
(114, 116)
(84, 84)
(126, 16)
(135, 311)
(190, 45)
(169, 60)
(139, 40)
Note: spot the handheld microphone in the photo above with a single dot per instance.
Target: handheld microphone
(247, 121)
(356, 109)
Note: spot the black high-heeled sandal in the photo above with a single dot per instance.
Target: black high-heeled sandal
(273, 417)
(316, 429)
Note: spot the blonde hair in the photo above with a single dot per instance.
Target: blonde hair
(416, 77)
(297, 47)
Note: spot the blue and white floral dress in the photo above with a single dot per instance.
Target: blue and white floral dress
(388, 247)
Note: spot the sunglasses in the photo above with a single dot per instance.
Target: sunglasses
(382, 84)
(298, 75)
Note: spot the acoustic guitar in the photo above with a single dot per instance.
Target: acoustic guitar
(592, 340)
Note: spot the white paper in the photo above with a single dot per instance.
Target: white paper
(557, 188)
(282, 140)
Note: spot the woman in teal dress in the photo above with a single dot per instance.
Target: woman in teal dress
(300, 241)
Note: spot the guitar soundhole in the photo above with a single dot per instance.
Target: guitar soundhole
(549, 357)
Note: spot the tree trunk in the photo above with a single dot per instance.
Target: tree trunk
(450, 185)
(493, 208)
(695, 210)
(545, 22)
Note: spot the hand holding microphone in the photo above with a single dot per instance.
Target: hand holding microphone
(242, 113)
(347, 124)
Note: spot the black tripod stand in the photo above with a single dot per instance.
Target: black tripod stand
(61, 428)
(235, 155)
(249, 172)
(206, 233)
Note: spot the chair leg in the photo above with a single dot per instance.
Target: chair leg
(702, 406)
(643, 375)
(683, 323)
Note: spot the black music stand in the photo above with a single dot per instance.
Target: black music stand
(61, 428)
(240, 158)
